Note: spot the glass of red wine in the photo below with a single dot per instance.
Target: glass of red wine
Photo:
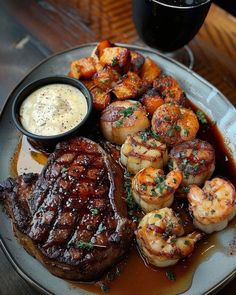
(168, 25)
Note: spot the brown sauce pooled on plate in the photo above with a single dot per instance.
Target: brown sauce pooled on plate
(133, 275)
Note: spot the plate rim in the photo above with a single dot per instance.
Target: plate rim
(3, 246)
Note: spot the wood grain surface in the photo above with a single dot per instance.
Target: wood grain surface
(31, 30)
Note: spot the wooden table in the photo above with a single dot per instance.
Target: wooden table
(31, 30)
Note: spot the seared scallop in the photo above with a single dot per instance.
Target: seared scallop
(153, 190)
(195, 158)
(122, 118)
(214, 205)
(141, 150)
(174, 124)
(160, 236)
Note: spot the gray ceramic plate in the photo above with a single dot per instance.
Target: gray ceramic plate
(210, 274)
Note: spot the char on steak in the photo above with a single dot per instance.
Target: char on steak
(72, 217)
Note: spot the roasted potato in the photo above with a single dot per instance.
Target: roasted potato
(169, 89)
(101, 46)
(129, 87)
(152, 100)
(101, 99)
(83, 68)
(137, 61)
(117, 57)
(106, 78)
(150, 71)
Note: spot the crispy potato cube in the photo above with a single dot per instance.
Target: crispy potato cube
(83, 68)
(137, 61)
(152, 100)
(150, 71)
(70, 74)
(130, 87)
(101, 46)
(101, 99)
(115, 56)
(106, 78)
(169, 89)
(89, 84)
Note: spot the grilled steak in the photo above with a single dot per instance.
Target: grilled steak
(71, 217)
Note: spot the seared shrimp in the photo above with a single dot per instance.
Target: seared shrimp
(214, 205)
(174, 124)
(195, 158)
(169, 89)
(141, 150)
(160, 236)
(153, 190)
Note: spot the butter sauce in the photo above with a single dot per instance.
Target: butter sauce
(53, 109)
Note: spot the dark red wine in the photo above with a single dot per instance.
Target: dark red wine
(168, 25)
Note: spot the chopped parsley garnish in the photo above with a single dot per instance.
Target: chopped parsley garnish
(153, 144)
(64, 169)
(153, 192)
(177, 127)
(194, 152)
(159, 179)
(210, 198)
(131, 204)
(104, 80)
(185, 189)
(101, 228)
(186, 242)
(186, 132)
(119, 122)
(127, 112)
(158, 216)
(201, 117)
(114, 61)
(143, 136)
(94, 211)
(143, 187)
(104, 287)
(186, 174)
(156, 136)
(84, 245)
(170, 276)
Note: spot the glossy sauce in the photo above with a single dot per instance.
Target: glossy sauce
(53, 109)
(135, 276)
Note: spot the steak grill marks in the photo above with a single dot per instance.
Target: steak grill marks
(72, 217)
(74, 213)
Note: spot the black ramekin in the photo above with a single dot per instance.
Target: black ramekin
(41, 142)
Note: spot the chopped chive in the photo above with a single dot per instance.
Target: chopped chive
(170, 276)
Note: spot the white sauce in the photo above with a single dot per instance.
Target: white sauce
(53, 109)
